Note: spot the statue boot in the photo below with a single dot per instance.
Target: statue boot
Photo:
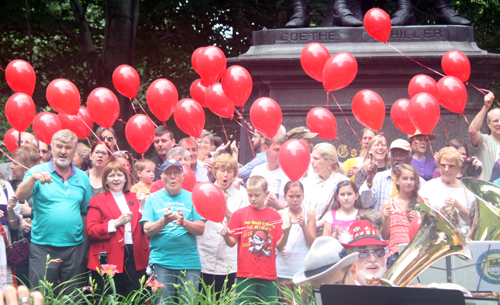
(300, 17)
(343, 16)
(446, 15)
(404, 15)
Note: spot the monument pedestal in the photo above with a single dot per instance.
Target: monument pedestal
(274, 63)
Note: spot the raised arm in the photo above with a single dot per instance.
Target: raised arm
(476, 123)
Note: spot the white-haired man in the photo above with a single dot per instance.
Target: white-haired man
(60, 194)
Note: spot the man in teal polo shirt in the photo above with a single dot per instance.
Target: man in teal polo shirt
(60, 194)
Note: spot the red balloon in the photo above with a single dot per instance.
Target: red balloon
(423, 83)
(369, 109)
(401, 118)
(452, 94)
(209, 201)
(339, 71)
(194, 58)
(322, 121)
(189, 181)
(266, 116)
(20, 111)
(126, 81)
(161, 98)
(45, 125)
(140, 132)
(103, 106)
(294, 158)
(75, 123)
(237, 84)
(377, 24)
(10, 139)
(424, 112)
(414, 226)
(63, 96)
(218, 102)
(189, 117)
(211, 64)
(20, 76)
(455, 63)
(313, 58)
(198, 91)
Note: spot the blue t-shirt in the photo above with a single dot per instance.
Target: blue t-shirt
(173, 247)
(58, 207)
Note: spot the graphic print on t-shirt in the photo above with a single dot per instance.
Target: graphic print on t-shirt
(257, 239)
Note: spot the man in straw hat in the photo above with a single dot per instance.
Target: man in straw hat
(370, 263)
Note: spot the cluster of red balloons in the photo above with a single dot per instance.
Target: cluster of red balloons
(335, 72)
(422, 112)
(235, 84)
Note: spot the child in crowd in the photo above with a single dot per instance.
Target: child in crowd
(145, 170)
(299, 238)
(258, 231)
(374, 217)
(346, 208)
(399, 211)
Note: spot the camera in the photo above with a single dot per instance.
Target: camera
(103, 258)
(467, 161)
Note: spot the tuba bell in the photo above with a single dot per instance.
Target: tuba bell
(437, 238)
(484, 215)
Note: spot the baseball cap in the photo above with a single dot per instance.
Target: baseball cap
(169, 163)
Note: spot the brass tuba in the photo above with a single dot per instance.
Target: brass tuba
(484, 215)
(437, 238)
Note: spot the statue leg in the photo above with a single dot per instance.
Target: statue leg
(300, 17)
(446, 15)
(343, 16)
(404, 15)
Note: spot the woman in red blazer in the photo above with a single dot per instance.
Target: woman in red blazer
(116, 236)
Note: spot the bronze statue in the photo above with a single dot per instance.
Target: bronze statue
(349, 13)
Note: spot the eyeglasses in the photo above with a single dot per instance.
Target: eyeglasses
(447, 166)
(399, 156)
(365, 253)
(107, 138)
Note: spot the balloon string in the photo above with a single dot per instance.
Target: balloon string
(251, 144)
(140, 105)
(437, 72)
(98, 139)
(430, 146)
(327, 100)
(11, 157)
(4, 71)
(346, 118)
(132, 103)
(445, 130)
(245, 121)
(120, 120)
(243, 126)
(224, 128)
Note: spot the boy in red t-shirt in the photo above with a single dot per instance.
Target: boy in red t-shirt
(257, 229)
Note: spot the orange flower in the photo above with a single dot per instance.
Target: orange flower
(154, 284)
(109, 270)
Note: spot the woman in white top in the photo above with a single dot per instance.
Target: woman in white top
(447, 189)
(319, 186)
(217, 258)
(299, 233)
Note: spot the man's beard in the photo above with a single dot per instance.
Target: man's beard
(62, 163)
(363, 274)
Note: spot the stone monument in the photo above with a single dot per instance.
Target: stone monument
(274, 63)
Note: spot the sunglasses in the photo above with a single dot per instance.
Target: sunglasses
(107, 138)
(365, 253)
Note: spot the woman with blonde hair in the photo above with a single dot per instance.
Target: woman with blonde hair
(447, 189)
(320, 186)
(377, 155)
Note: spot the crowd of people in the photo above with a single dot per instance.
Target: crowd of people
(341, 223)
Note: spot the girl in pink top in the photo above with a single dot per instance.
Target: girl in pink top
(399, 211)
(346, 208)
